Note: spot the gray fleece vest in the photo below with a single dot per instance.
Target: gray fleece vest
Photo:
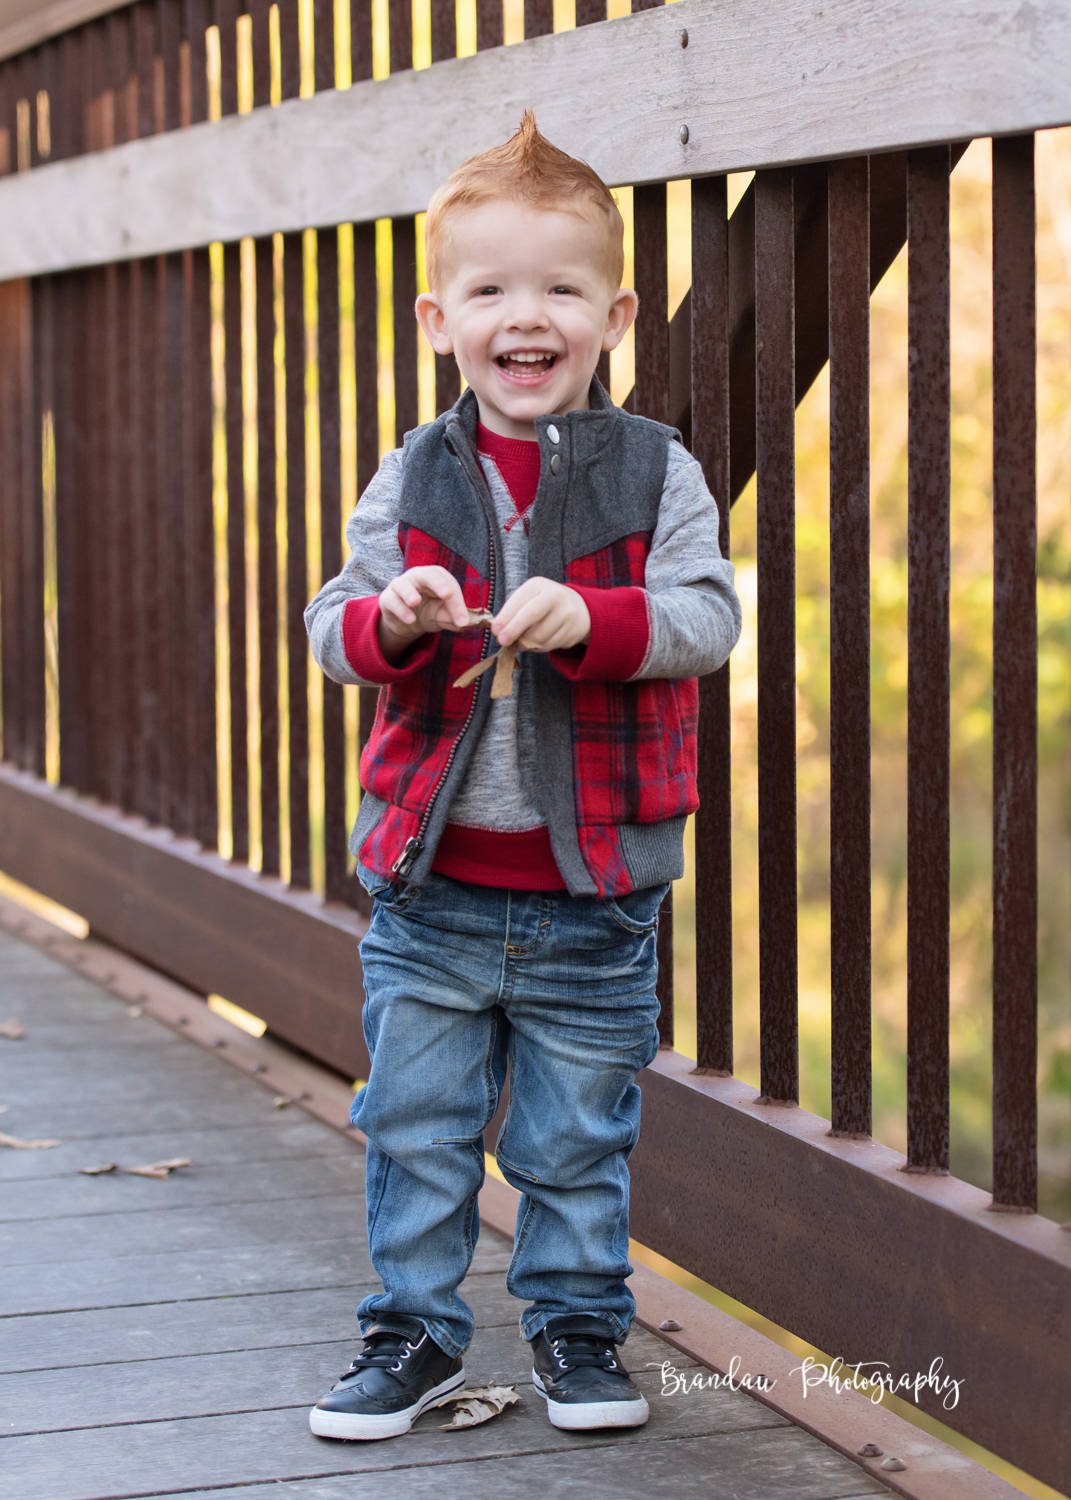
(601, 479)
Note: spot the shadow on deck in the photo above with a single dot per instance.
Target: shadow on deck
(165, 1337)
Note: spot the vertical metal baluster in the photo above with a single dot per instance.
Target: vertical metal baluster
(294, 339)
(35, 375)
(403, 255)
(146, 363)
(928, 661)
(67, 128)
(9, 548)
(334, 739)
(175, 808)
(1015, 715)
(267, 542)
(110, 512)
(538, 17)
(200, 529)
(651, 399)
(125, 749)
(849, 650)
(360, 40)
(444, 45)
(366, 354)
(226, 18)
(713, 821)
(490, 29)
(10, 518)
(95, 491)
(775, 547)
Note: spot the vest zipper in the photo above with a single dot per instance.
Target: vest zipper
(414, 847)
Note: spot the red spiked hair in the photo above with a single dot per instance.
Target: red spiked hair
(528, 169)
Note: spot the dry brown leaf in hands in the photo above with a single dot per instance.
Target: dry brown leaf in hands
(476, 1406)
(505, 664)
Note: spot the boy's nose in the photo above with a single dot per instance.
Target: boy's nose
(526, 312)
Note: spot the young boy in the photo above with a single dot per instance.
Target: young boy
(517, 847)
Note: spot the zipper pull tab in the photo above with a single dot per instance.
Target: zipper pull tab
(407, 859)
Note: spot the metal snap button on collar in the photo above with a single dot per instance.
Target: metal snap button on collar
(555, 463)
(553, 433)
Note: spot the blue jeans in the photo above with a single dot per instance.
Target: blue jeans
(461, 980)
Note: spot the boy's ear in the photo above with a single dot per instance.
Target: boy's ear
(620, 317)
(432, 319)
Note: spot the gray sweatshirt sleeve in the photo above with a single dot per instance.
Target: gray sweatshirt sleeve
(374, 559)
(694, 611)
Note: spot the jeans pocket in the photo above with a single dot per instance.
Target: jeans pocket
(637, 911)
(389, 894)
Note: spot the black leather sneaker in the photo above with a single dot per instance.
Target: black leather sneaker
(400, 1372)
(576, 1369)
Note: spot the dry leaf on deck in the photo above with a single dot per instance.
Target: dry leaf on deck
(476, 1406)
(13, 1030)
(98, 1171)
(13, 1140)
(158, 1168)
(281, 1101)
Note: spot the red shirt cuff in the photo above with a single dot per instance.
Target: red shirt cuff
(360, 641)
(619, 639)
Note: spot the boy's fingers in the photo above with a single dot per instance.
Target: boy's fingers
(529, 617)
(444, 587)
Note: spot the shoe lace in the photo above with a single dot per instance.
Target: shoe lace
(384, 1349)
(577, 1350)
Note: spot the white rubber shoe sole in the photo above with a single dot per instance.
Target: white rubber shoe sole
(578, 1416)
(367, 1426)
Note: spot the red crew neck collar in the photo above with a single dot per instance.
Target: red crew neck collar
(497, 446)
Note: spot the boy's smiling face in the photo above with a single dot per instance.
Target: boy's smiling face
(526, 307)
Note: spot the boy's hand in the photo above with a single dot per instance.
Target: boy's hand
(543, 616)
(416, 602)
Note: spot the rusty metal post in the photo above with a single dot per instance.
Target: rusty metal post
(775, 452)
(849, 647)
(1015, 963)
(710, 445)
(928, 661)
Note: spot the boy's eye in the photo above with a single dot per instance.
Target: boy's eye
(486, 291)
(565, 291)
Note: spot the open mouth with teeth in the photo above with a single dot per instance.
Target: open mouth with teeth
(526, 364)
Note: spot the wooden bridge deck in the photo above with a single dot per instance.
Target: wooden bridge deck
(166, 1337)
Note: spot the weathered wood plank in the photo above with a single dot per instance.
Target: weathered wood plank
(217, 1226)
(671, 1471)
(756, 86)
(214, 1325)
(281, 1182)
(321, 1259)
(287, 1134)
(165, 1457)
(164, 1387)
(68, 1033)
(122, 1114)
(105, 1072)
